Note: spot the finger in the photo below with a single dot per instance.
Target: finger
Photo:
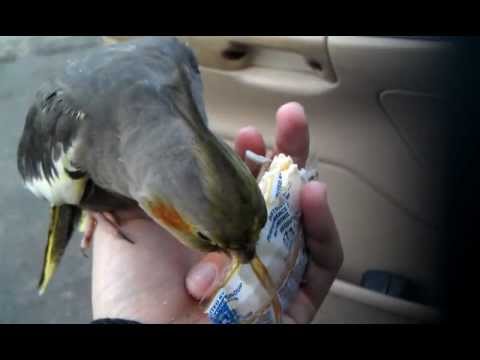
(249, 138)
(301, 310)
(326, 254)
(306, 303)
(205, 277)
(292, 137)
(320, 229)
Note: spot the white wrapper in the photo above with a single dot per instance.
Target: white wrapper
(243, 299)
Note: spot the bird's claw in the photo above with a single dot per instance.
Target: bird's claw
(110, 219)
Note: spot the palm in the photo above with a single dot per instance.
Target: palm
(149, 274)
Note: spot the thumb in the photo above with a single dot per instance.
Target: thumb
(204, 278)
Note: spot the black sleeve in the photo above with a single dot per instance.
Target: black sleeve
(114, 321)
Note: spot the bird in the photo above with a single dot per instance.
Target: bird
(126, 125)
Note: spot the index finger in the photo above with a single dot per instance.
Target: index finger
(292, 136)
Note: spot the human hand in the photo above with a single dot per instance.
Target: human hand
(158, 280)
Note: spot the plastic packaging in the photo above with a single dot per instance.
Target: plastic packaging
(281, 249)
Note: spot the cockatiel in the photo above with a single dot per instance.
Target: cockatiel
(126, 126)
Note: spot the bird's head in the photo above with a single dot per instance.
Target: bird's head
(213, 202)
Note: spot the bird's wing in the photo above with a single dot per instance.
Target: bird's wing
(44, 156)
(196, 84)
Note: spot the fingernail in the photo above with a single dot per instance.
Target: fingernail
(299, 107)
(201, 278)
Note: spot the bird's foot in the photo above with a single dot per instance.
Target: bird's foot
(114, 226)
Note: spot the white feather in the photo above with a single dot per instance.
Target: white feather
(60, 189)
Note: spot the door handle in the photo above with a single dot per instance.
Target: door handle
(258, 60)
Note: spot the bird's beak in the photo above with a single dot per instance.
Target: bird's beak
(63, 220)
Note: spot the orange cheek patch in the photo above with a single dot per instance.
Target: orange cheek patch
(169, 216)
